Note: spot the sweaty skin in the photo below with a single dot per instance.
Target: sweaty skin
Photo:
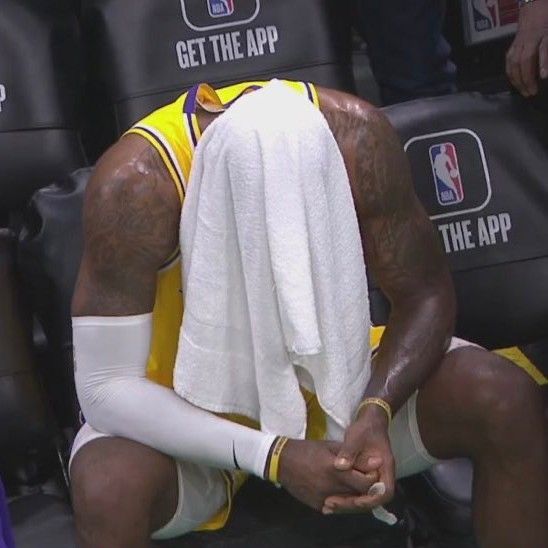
(400, 246)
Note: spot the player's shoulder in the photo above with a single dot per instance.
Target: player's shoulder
(130, 173)
(346, 112)
(131, 199)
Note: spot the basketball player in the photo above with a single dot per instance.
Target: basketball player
(148, 463)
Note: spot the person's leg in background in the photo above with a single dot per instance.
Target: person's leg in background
(409, 55)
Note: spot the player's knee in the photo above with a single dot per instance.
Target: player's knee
(94, 495)
(504, 399)
(102, 496)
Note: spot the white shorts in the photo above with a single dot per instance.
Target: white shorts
(202, 489)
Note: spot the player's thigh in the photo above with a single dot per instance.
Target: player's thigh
(117, 482)
(116, 478)
(473, 395)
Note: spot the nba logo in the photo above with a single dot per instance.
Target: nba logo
(447, 179)
(220, 8)
(486, 14)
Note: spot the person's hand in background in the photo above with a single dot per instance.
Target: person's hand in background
(527, 58)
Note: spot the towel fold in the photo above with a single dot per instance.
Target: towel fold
(274, 279)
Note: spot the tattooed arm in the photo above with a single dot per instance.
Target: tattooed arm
(405, 257)
(131, 218)
(400, 246)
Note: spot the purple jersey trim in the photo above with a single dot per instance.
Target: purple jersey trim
(309, 91)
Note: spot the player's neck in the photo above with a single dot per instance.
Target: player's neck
(205, 118)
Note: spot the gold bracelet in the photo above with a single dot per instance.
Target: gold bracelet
(273, 467)
(376, 401)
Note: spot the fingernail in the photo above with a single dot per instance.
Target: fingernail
(327, 511)
(342, 461)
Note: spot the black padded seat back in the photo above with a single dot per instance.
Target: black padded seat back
(39, 87)
(50, 250)
(146, 52)
(25, 428)
(479, 166)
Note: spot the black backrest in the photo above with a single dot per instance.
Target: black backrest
(39, 87)
(50, 249)
(26, 429)
(495, 232)
(146, 52)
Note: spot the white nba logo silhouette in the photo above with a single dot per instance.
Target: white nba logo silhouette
(445, 170)
(2, 95)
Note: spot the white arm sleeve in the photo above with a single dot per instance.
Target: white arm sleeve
(110, 357)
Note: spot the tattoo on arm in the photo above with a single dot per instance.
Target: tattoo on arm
(400, 245)
(401, 250)
(131, 218)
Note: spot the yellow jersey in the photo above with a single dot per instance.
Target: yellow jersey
(174, 132)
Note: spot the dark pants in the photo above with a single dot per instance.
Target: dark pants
(409, 55)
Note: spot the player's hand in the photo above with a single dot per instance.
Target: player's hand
(527, 58)
(307, 471)
(366, 448)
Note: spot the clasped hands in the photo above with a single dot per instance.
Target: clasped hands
(336, 477)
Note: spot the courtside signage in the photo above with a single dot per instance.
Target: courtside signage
(207, 15)
(453, 160)
(453, 183)
(226, 44)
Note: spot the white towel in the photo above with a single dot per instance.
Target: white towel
(273, 269)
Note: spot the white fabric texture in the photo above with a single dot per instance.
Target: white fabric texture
(273, 268)
(116, 398)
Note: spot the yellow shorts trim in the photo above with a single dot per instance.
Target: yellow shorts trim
(516, 356)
